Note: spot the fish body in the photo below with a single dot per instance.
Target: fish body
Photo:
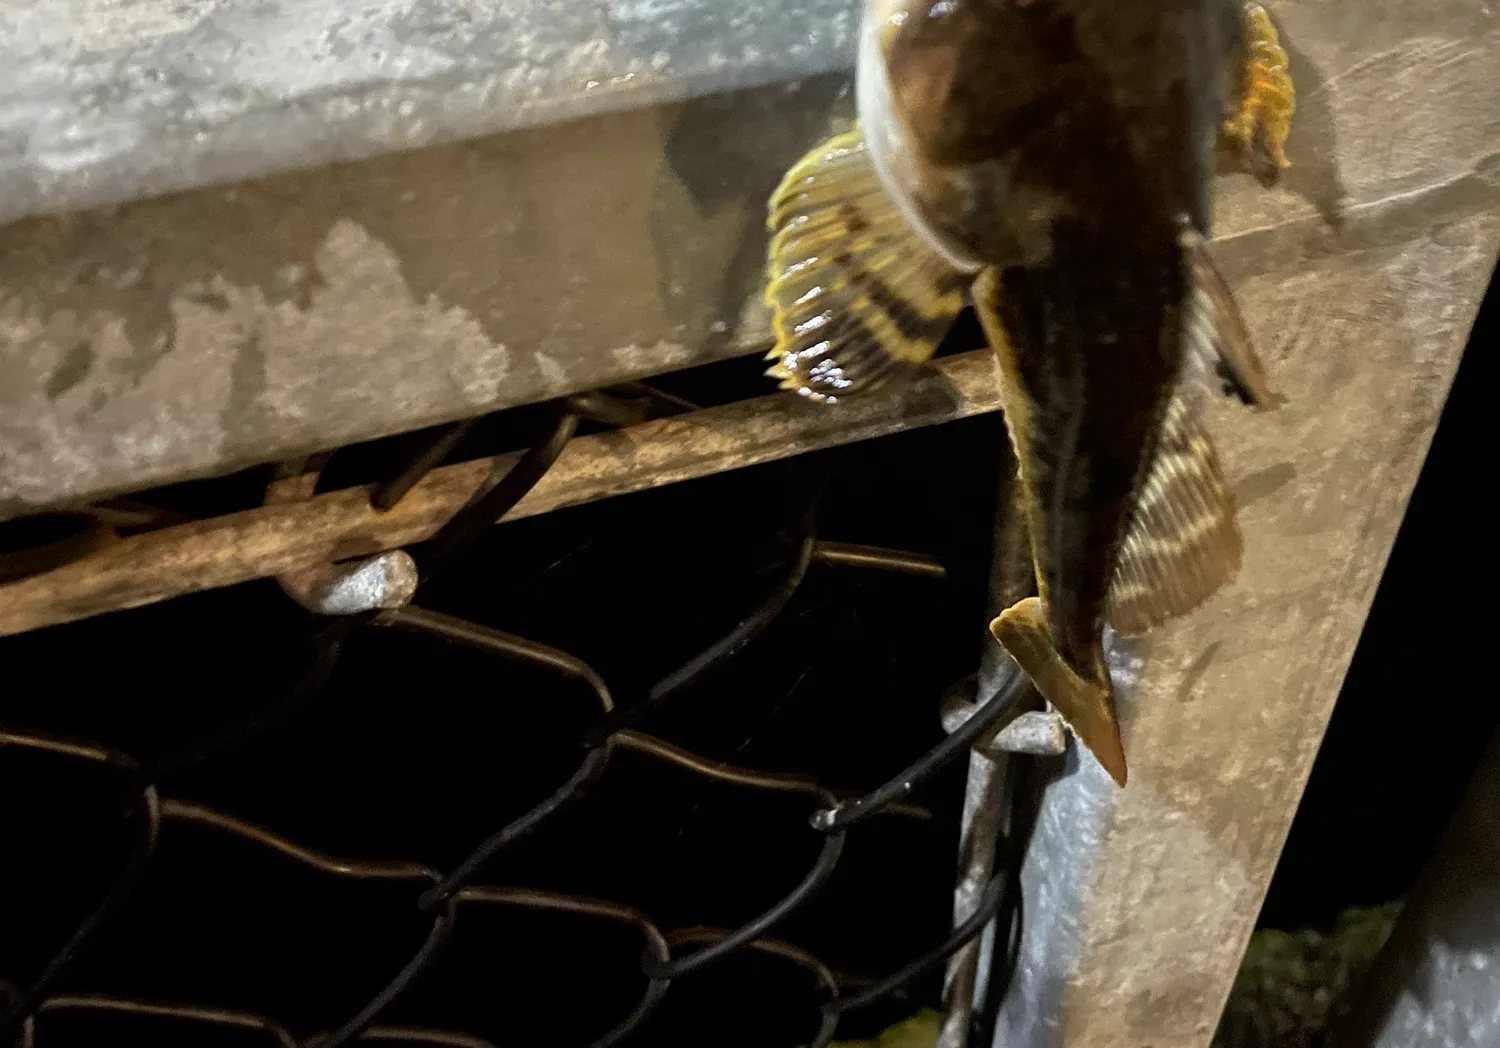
(1054, 159)
(994, 120)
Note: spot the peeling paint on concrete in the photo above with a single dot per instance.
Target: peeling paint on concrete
(235, 362)
(301, 311)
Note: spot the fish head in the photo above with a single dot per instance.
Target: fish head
(992, 120)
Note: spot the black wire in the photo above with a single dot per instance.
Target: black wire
(390, 492)
(656, 989)
(327, 644)
(432, 946)
(462, 530)
(717, 653)
(564, 796)
(87, 933)
(828, 858)
(852, 813)
(469, 524)
(971, 927)
(746, 630)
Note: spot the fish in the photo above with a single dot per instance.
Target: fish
(1049, 163)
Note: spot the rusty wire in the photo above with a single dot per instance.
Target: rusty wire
(441, 896)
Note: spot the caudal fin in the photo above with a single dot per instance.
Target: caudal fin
(1087, 706)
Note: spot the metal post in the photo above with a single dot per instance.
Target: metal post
(1011, 579)
(1056, 877)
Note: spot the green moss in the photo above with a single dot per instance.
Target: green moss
(920, 1031)
(1291, 985)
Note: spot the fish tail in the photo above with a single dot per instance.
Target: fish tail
(1087, 705)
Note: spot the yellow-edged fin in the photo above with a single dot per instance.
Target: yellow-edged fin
(1218, 337)
(1183, 544)
(1087, 707)
(856, 296)
(1264, 121)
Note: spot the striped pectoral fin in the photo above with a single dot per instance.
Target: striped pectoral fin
(1087, 706)
(1264, 121)
(856, 297)
(1183, 543)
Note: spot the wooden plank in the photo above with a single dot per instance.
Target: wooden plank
(275, 539)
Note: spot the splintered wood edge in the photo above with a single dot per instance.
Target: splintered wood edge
(271, 540)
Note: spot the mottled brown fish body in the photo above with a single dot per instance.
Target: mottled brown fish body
(1055, 156)
(1090, 356)
(1078, 129)
(1104, 112)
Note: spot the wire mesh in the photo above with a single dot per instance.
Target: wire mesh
(154, 814)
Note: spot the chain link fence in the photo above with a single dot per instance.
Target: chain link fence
(156, 816)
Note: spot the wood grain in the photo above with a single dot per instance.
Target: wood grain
(274, 539)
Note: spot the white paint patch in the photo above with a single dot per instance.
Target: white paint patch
(647, 10)
(115, 419)
(239, 369)
(662, 356)
(62, 147)
(299, 48)
(365, 320)
(79, 26)
(553, 373)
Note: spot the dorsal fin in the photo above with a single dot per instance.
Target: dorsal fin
(1218, 338)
